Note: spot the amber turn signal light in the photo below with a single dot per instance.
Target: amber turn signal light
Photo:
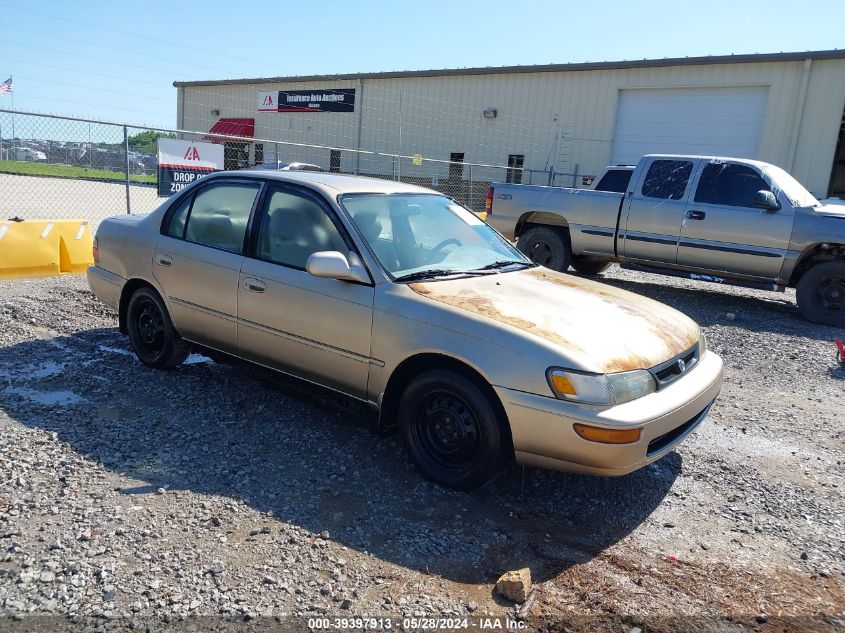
(562, 385)
(608, 436)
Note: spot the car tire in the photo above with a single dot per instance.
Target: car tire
(451, 430)
(590, 265)
(821, 293)
(546, 246)
(154, 339)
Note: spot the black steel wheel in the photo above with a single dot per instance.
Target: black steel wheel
(821, 293)
(546, 246)
(451, 429)
(151, 332)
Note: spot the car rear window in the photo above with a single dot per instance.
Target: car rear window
(667, 179)
(615, 180)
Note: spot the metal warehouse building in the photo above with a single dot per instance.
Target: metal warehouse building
(555, 123)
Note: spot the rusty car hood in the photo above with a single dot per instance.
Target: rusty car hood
(603, 327)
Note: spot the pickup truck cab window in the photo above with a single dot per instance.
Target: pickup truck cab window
(219, 215)
(292, 227)
(729, 184)
(615, 180)
(667, 179)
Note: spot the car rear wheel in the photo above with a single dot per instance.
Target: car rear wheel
(546, 246)
(821, 293)
(590, 265)
(153, 337)
(451, 430)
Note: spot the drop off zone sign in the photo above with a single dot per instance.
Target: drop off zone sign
(182, 162)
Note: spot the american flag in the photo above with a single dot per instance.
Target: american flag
(6, 86)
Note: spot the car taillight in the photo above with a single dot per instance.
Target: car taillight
(488, 203)
(96, 251)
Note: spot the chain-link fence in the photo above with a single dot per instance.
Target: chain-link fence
(55, 167)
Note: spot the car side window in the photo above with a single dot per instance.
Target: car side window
(219, 214)
(667, 179)
(293, 226)
(729, 184)
(176, 222)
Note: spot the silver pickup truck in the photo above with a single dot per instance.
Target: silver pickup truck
(724, 220)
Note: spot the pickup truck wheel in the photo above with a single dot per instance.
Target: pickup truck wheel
(546, 246)
(589, 265)
(451, 430)
(151, 332)
(821, 293)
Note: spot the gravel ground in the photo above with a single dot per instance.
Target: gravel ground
(129, 495)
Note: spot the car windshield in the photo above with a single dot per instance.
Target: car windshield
(792, 189)
(414, 235)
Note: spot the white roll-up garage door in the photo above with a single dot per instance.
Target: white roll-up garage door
(709, 121)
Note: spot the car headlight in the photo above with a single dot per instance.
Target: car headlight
(605, 389)
(702, 346)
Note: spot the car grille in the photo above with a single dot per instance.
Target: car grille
(668, 372)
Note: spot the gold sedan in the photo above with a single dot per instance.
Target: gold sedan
(400, 297)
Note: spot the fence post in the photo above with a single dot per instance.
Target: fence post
(471, 201)
(126, 166)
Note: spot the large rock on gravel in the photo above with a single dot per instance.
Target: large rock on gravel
(515, 585)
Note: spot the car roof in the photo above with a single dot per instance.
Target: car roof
(328, 182)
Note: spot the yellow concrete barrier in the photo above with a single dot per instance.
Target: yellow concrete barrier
(42, 248)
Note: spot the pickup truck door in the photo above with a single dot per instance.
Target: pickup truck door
(656, 203)
(723, 231)
(312, 327)
(197, 260)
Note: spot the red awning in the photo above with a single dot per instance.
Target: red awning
(231, 127)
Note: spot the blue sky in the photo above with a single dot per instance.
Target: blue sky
(117, 60)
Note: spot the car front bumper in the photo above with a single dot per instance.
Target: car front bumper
(543, 433)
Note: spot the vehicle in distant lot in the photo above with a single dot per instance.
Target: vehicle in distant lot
(29, 154)
(398, 296)
(724, 220)
(295, 166)
(112, 160)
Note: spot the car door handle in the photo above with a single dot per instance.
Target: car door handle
(254, 285)
(696, 215)
(164, 260)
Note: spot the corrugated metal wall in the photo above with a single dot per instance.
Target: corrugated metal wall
(556, 119)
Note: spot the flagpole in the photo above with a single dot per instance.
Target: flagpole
(14, 153)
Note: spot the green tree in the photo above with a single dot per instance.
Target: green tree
(147, 142)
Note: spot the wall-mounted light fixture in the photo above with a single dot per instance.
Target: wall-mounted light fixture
(215, 112)
(490, 113)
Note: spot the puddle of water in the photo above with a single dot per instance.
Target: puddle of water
(115, 350)
(47, 369)
(194, 359)
(47, 398)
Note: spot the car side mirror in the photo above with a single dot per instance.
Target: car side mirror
(335, 265)
(765, 199)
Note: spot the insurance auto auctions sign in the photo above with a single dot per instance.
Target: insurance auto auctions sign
(331, 100)
(182, 162)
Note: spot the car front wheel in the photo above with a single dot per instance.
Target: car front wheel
(451, 430)
(821, 293)
(153, 337)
